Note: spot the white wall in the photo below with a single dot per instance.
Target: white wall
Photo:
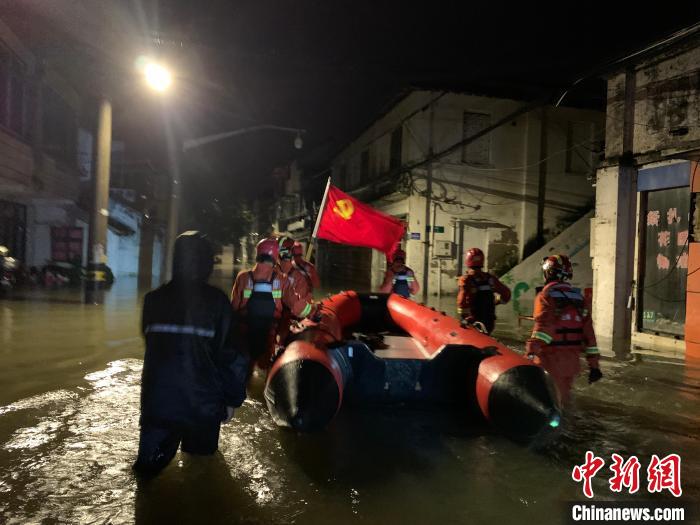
(157, 259)
(527, 276)
(498, 199)
(123, 250)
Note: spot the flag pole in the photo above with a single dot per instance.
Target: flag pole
(310, 248)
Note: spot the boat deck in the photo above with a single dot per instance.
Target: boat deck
(402, 347)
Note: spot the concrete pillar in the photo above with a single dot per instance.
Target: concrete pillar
(613, 233)
(530, 177)
(95, 282)
(145, 280)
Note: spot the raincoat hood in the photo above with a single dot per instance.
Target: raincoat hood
(193, 258)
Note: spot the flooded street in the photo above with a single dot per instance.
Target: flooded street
(69, 406)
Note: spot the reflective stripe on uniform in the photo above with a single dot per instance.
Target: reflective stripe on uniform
(559, 294)
(592, 350)
(247, 293)
(542, 337)
(306, 311)
(401, 278)
(460, 310)
(179, 329)
(262, 287)
(277, 294)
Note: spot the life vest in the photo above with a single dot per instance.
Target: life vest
(401, 283)
(305, 274)
(262, 299)
(570, 314)
(483, 303)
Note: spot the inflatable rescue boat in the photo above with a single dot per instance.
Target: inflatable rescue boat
(384, 348)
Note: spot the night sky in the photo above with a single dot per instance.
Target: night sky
(325, 66)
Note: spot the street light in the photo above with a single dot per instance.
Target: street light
(159, 79)
(200, 141)
(157, 76)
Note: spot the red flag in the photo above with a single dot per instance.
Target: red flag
(345, 220)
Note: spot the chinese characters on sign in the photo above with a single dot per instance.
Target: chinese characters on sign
(662, 474)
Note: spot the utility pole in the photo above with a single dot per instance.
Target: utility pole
(95, 282)
(173, 217)
(428, 200)
(175, 156)
(542, 179)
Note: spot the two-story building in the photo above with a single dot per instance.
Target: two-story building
(39, 176)
(46, 166)
(465, 170)
(644, 237)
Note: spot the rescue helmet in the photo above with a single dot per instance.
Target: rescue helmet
(297, 250)
(557, 268)
(267, 250)
(474, 258)
(398, 255)
(285, 247)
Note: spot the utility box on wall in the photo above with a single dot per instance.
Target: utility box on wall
(444, 249)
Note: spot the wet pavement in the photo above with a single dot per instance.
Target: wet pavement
(69, 401)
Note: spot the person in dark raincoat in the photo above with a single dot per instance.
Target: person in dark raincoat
(193, 373)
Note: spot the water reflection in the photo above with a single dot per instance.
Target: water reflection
(69, 432)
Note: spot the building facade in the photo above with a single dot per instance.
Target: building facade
(39, 175)
(46, 165)
(466, 170)
(643, 235)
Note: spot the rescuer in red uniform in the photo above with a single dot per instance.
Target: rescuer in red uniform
(479, 292)
(399, 278)
(297, 279)
(563, 328)
(305, 267)
(259, 297)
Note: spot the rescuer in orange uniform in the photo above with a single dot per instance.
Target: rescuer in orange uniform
(399, 278)
(479, 292)
(298, 281)
(305, 267)
(563, 328)
(297, 278)
(259, 297)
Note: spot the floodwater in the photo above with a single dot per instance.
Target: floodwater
(69, 403)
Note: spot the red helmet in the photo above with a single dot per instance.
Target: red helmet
(474, 258)
(267, 249)
(297, 250)
(285, 247)
(398, 254)
(557, 268)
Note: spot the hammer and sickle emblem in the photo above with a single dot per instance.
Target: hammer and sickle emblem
(344, 208)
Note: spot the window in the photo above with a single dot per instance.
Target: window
(477, 151)
(13, 224)
(12, 93)
(664, 268)
(60, 129)
(364, 166)
(342, 176)
(395, 148)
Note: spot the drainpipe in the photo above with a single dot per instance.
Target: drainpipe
(428, 201)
